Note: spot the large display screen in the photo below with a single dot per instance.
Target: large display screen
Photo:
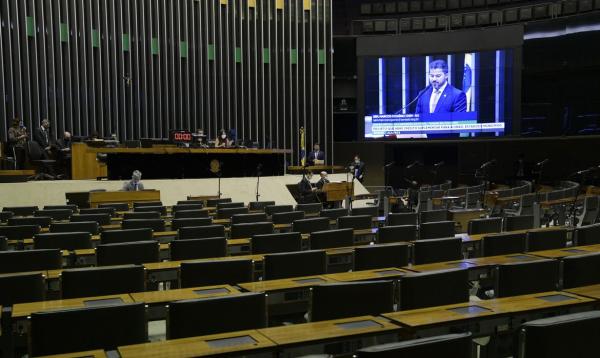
(439, 96)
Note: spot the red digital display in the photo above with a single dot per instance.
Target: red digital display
(181, 136)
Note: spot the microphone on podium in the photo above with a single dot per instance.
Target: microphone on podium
(543, 162)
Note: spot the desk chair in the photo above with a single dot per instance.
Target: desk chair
(154, 224)
(145, 209)
(190, 202)
(503, 244)
(102, 281)
(71, 207)
(3, 243)
(397, 219)
(372, 211)
(217, 272)
(484, 226)
(191, 214)
(546, 239)
(142, 215)
(259, 205)
(380, 256)
(30, 260)
(249, 218)
(116, 206)
(91, 227)
(200, 232)
(287, 217)
(106, 327)
(521, 278)
(19, 232)
(340, 300)
(45, 168)
(211, 203)
(5, 215)
(21, 210)
(109, 211)
(581, 270)
(41, 221)
(437, 250)
(310, 208)
(294, 264)
(272, 209)
(250, 229)
(228, 205)
(190, 222)
(525, 206)
(436, 230)
(101, 219)
(589, 213)
(55, 214)
(307, 226)
(22, 287)
(127, 253)
(185, 207)
(435, 288)
(198, 248)
(274, 243)
(355, 222)
(122, 236)
(197, 317)
(400, 233)
(227, 213)
(522, 222)
(333, 214)
(433, 216)
(331, 238)
(141, 204)
(587, 235)
(63, 241)
(457, 345)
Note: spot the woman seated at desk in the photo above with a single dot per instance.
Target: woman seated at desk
(223, 140)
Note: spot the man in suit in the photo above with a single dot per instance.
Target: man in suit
(63, 154)
(315, 154)
(305, 189)
(440, 96)
(41, 135)
(358, 168)
(135, 183)
(322, 181)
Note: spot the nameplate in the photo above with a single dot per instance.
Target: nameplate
(103, 302)
(309, 280)
(469, 310)
(231, 342)
(358, 324)
(389, 272)
(211, 291)
(556, 298)
(520, 257)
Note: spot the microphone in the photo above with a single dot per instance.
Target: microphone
(488, 163)
(437, 165)
(389, 164)
(543, 162)
(416, 162)
(586, 171)
(414, 100)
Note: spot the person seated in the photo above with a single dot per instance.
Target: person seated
(135, 183)
(322, 181)
(63, 147)
(223, 140)
(306, 190)
(200, 139)
(316, 156)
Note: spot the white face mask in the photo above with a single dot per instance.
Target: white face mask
(223, 136)
(356, 161)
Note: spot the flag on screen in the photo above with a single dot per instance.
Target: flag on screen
(468, 80)
(302, 147)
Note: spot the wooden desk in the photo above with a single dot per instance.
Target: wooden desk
(285, 283)
(160, 297)
(533, 302)
(251, 341)
(437, 266)
(366, 275)
(592, 291)
(102, 197)
(569, 251)
(338, 191)
(314, 168)
(22, 310)
(87, 354)
(502, 259)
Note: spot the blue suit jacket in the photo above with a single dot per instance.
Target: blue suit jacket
(451, 100)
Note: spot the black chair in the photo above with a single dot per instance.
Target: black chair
(272, 209)
(141, 215)
(55, 214)
(21, 210)
(457, 345)
(186, 207)
(116, 206)
(63, 241)
(176, 224)
(400, 233)
(307, 226)
(437, 250)
(484, 226)
(104, 327)
(397, 219)
(127, 253)
(22, 287)
(30, 260)
(121, 236)
(587, 235)
(380, 256)
(571, 335)
(333, 214)
(437, 288)
(581, 270)
(191, 214)
(523, 222)
(227, 213)
(71, 207)
(198, 248)
(331, 238)
(230, 205)
(259, 205)
(101, 219)
(372, 211)
(145, 209)
(154, 224)
(295, 264)
(190, 202)
(109, 211)
(200, 232)
(433, 216)
(41, 221)
(3, 243)
(436, 230)
(248, 230)
(102, 281)
(190, 318)
(91, 227)
(521, 278)
(5, 215)
(274, 243)
(503, 244)
(546, 239)
(355, 222)
(311, 208)
(19, 232)
(141, 204)
(287, 218)
(211, 203)
(249, 218)
(340, 300)
(218, 272)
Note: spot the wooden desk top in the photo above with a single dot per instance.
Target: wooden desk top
(328, 330)
(22, 310)
(437, 266)
(365, 275)
(285, 283)
(170, 265)
(153, 297)
(478, 237)
(520, 304)
(197, 346)
(592, 291)
(87, 354)
(550, 203)
(502, 259)
(569, 251)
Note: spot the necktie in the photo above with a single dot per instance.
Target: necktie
(135, 187)
(435, 97)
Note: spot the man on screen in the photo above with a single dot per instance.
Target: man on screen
(440, 96)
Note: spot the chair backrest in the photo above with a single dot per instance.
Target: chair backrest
(306, 226)
(526, 204)
(72, 207)
(211, 203)
(457, 345)
(200, 232)
(101, 219)
(41, 221)
(380, 256)
(436, 288)
(121, 236)
(248, 230)
(91, 227)
(102, 281)
(249, 218)
(127, 322)
(227, 213)
(142, 215)
(485, 226)
(503, 244)
(259, 205)
(521, 278)
(145, 209)
(116, 206)
(339, 300)
(3, 243)
(396, 219)
(372, 211)
(141, 204)
(186, 207)
(457, 191)
(127, 253)
(333, 214)
(55, 214)
(21, 210)
(19, 232)
(109, 211)
(287, 218)
(295, 264)
(236, 204)
(217, 272)
(190, 222)
(437, 250)
(546, 239)
(22, 287)
(154, 224)
(433, 216)
(436, 230)
(331, 238)
(355, 222)
(310, 208)
(590, 211)
(191, 202)
(587, 235)
(519, 222)
(30, 260)
(274, 243)
(196, 213)
(272, 209)
(63, 241)
(189, 318)
(581, 270)
(400, 233)
(198, 248)
(5, 215)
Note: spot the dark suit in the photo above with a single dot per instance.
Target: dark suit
(359, 170)
(42, 137)
(322, 182)
(451, 100)
(312, 156)
(306, 193)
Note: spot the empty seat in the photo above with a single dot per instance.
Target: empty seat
(41, 221)
(129, 235)
(21, 210)
(521, 278)
(581, 270)
(372, 211)
(189, 318)
(306, 226)
(433, 216)
(435, 288)
(192, 214)
(396, 219)
(294, 264)
(147, 209)
(287, 218)
(110, 211)
(105, 327)
(198, 248)
(249, 218)
(250, 229)
(116, 206)
(55, 214)
(141, 204)
(142, 215)
(5, 215)
(339, 300)
(525, 205)
(206, 273)
(356, 222)
(436, 230)
(102, 281)
(546, 239)
(187, 207)
(127, 253)
(331, 238)
(485, 226)
(272, 209)
(457, 345)
(176, 224)
(589, 212)
(259, 205)
(312, 208)
(398, 233)
(503, 244)
(201, 232)
(22, 287)
(227, 213)
(63, 240)
(333, 214)
(380, 256)
(190, 202)
(522, 222)
(91, 227)
(274, 243)
(71, 207)
(230, 205)
(437, 250)
(154, 224)
(211, 203)
(101, 219)
(30, 260)
(19, 232)
(587, 235)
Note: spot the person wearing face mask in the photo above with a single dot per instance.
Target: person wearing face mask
(135, 184)
(17, 138)
(223, 140)
(63, 147)
(358, 168)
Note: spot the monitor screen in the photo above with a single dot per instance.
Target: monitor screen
(450, 95)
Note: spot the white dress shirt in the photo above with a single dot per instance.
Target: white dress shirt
(435, 97)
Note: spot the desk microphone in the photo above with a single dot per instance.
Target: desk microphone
(414, 100)
(416, 162)
(543, 162)
(488, 163)
(389, 164)
(437, 165)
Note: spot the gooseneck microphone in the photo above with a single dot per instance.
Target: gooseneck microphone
(414, 100)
